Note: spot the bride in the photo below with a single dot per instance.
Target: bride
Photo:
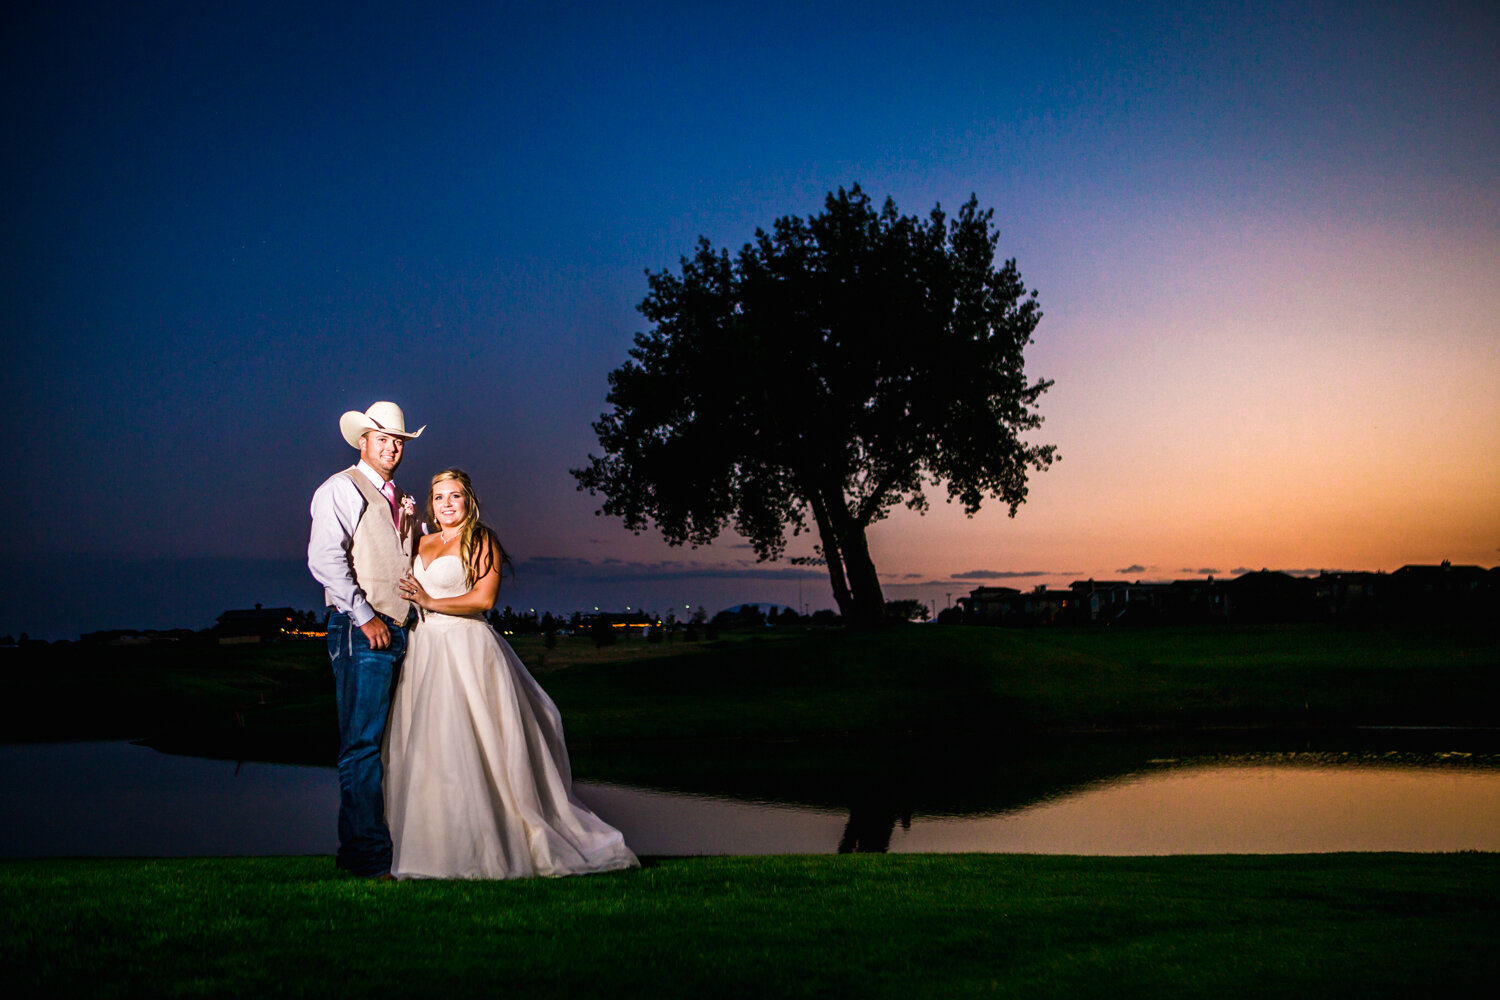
(477, 780)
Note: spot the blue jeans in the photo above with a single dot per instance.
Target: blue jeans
(363, 681)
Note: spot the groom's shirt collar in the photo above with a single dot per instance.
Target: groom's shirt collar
(371, 475)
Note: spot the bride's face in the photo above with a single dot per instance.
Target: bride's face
(449, 503)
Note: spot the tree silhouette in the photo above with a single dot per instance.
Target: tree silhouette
(830, 369)
(906, 610)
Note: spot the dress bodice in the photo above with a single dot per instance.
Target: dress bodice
(443, 577)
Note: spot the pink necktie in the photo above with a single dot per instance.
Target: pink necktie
(389, 489)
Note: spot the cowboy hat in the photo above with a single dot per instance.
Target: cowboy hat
(385, 417)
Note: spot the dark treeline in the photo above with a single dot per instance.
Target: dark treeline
(1443, 593)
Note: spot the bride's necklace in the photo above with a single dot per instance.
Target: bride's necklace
(444, 535)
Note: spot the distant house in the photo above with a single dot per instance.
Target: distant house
(1194, 602)
(1009, 606)
(1444, 592)
(988, 604)
(1115, 601)
(1442, 580)
(1351, 596)
(632, 622)
(1441, 593)
(1269, 596)
(1048, 607)
(256, 624)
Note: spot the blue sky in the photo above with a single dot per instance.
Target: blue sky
(1264, 237)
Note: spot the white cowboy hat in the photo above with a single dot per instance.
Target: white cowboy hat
(385, 417)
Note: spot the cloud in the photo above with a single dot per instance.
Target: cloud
(1200, 572)
(1242, 570)
(999, 574)
(923, 584)
(1132, 568)
(621, 571)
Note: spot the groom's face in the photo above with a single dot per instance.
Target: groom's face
(381, 451)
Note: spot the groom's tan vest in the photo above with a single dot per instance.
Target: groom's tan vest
(381, 555)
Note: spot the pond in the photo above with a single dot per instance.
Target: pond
(120, 799)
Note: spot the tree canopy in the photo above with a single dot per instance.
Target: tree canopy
(830, 370)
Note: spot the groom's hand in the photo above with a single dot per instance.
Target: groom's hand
(377, 633)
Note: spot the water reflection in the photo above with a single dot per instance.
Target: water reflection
(120, 800)
(114, 799)
(891, 795)
(872, 823)
(673, 823)
(1219, 808)
(1282, 807)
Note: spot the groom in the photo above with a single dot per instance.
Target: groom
(363, 536)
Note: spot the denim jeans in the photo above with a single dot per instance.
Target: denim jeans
(363, 681)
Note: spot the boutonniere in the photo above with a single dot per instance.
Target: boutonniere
(408, 506)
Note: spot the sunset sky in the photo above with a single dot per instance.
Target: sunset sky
(1265, 237)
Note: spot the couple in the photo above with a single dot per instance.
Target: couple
(458, 769)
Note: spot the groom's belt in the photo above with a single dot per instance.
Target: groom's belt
(410, 616)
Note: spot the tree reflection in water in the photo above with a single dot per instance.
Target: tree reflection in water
(872, 822)
(879, 797)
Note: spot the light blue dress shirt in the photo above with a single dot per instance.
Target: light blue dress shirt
(337, 507)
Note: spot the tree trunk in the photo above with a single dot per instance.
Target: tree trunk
(856, 586)
(833, 556)
(868, 601)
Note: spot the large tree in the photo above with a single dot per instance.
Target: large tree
(831, 368)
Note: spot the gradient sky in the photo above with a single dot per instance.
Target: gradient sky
(1266, 239)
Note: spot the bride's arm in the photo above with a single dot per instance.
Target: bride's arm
(478, 600)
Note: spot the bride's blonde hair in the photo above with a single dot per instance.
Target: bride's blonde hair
(477, 556)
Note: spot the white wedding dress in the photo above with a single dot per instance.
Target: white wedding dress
(477, 780)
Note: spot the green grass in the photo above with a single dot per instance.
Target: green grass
(864, 925)
(961, 719)
(954, 680)
(807, 685)
(83, 692)
(812, 716)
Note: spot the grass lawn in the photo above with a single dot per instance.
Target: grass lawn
(1356, 925)
(796, 684)
(812, 716)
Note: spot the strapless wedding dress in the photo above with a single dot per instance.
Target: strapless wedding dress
(477, 780)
